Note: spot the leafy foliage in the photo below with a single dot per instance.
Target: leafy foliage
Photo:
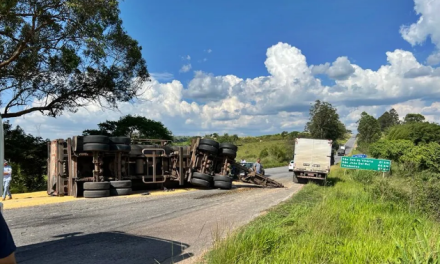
(66, 54)
(324, 122)
(390, 149)
(133, 127)
(28, 157)
(416, 132)
(388, 119)
(368, 129)
(414, 118)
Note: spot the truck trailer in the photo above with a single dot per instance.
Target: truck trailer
(99, 166)
(313, 158)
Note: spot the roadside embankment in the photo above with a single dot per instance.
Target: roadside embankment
(359, 217)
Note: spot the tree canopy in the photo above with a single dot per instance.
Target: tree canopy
(388, 119)
(133, 127)
(324, 122)
(414, 118)
(368, 129)
(28, 157)
(59, 55)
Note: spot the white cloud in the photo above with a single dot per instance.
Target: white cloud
(426, 26)
(185, 68)
(275, 102)
(434, 58)
(162, 76)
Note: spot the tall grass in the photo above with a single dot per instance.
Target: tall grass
(357, 218)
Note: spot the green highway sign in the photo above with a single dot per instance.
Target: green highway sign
(365, 164)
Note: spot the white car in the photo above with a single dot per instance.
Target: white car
(291, 165)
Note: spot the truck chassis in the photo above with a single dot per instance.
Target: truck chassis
(99, 166)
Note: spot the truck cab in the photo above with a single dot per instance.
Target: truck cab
(341, 151)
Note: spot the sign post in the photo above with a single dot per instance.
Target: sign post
(360, 163)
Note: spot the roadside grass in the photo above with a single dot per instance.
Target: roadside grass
(250, 151)
(357, 218)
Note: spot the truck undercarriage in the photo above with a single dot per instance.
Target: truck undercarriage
(100, 166)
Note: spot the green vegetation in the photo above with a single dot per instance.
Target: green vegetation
(132, 127)
(66, 54)
(28, 157)
(359, 217)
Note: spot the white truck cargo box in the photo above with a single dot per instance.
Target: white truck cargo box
(312, 158)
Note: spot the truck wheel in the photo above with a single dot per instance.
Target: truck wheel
(120, 184)
(96, 193)
(209, 142)
(95, 147)
(120, 147)
(121, 191)
(295, 179)
(223, 185)
(120, 140)
(201, 176)
(209, 149)
(96, 186)
(96, 139)
(201, 183)
(228, 146)
(228, 152)
(218, 178)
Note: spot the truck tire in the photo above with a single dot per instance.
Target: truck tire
(96, 193)
(120, 147)
(201, 183)
(209, 142)
(96, 186)
(223, 185)
(209, 149)
(222, 178)
(120, 184)
(96, 139)
(120, 140)
(295, 179)
(95, 147)
(228, 146)
(120, 191)
(228, 152)
(201, 176)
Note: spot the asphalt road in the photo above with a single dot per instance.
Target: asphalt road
(348, 146)
(146, 229)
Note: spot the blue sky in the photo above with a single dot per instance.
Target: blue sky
(239, 33)
(270, 60)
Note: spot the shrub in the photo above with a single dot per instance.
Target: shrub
(264, 153)
(423, 157)
(390, 149)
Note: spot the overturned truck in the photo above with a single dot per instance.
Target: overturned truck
(100, 166)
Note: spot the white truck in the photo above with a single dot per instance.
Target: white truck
(313, 158)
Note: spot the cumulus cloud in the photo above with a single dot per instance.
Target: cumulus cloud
(278, 100)
(426, 26)
(186, 68)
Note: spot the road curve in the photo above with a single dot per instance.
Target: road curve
(146, 229)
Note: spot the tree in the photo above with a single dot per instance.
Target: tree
(324, 122)
(414, 118)
(133, 127)
(388, 119)
(59, 55)
(394, 117)
(368, 129)
(28, 157)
